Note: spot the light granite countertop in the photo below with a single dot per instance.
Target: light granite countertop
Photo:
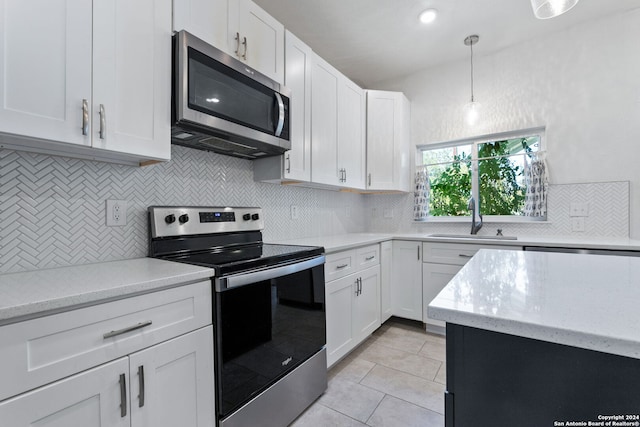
(586, 301)
(42, 292)
(336, 243)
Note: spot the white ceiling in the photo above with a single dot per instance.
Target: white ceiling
(376, 40)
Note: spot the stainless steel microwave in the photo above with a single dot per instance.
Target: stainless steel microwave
(222, 105)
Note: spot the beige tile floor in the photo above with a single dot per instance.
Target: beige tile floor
(396, 378)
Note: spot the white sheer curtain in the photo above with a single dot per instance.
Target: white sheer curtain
(421, 194)
(537, 182)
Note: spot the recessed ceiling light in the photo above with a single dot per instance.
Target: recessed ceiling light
(428, 16)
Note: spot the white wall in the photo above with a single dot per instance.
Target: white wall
(582, 84)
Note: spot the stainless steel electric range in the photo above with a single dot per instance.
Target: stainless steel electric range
(269, 310)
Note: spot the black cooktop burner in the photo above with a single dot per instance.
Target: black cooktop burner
(241, 258)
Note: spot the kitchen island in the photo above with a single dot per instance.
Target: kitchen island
(542, 339)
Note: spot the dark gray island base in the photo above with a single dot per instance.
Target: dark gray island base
(495, 380)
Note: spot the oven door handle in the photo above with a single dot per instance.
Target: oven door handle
(249, 277)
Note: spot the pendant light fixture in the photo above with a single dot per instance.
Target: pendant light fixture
(472, 109)
(545, 9)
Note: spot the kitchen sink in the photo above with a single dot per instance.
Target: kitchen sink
(473, 236)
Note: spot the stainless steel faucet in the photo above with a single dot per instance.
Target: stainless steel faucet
(475, 227)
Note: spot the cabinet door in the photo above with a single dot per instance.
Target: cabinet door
(89, 399)
(172, 382)
(324, 116)
(339, 295)
(366, 303)
(298, 80)
(434, 278)
(386, 258)
(388, 141)
(131, 110)
(406, 284)
(351, 134)
(205, 19)
(45, 68)
(264, 48)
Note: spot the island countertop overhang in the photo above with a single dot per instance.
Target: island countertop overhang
(585, 301)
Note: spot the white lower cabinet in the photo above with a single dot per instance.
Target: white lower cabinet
(145, 361)
(352, 301)
(89, 399)
(406, 283)
(442, 261)
(386, 260)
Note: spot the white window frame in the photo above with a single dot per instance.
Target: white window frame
(475, 191)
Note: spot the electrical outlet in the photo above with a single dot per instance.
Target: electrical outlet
(116, 213)
(579, 210)
(347, 211)
(577, 224)
(387, 213)
(294, 212)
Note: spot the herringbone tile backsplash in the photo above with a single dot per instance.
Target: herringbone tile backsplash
(52, 209)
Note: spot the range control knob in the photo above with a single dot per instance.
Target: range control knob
(246, 217)
(255, 217)
(170, 219)
(183, 218)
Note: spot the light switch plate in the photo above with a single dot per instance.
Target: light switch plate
(579, 210)
(294, 212)
(577, 224)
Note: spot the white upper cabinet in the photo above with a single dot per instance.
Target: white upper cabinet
(388, 153)
(87, 79)
(261, 39)
(239, 27)
(205, 19)
(45, 69)
(131, 109)
(298, 62)
(351, 134)
(324, 116)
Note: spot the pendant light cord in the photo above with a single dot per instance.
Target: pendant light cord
(471, 46)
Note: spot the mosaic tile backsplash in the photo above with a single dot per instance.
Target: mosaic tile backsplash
(52, 209)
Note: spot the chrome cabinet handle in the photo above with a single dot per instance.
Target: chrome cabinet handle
(246, 46)
(341, 266)
(237, 39)
(369, 184)
(418, 252)
(345, 175)
(288, 168)
(360, 280)
(280, 124)
(141, 383)
(103, 122)
(85, 117)
(127, 329)
(465, 256)
(123, 396)
(369, 258)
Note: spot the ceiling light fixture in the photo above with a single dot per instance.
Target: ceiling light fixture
(545, 9)
(428, 16)
(472, 109)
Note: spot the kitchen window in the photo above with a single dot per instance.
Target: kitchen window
(506, 175)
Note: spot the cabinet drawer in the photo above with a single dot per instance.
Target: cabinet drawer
(368, 256)
(42, 350)
(339, 264)
(456, 253)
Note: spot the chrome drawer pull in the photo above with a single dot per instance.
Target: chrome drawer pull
(85, 117)
(341, 266)
(125, 330)
(465, 256)
(369, 258)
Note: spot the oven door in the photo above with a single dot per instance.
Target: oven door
(268, 322)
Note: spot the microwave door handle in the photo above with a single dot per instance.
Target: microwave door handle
(280, 124)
